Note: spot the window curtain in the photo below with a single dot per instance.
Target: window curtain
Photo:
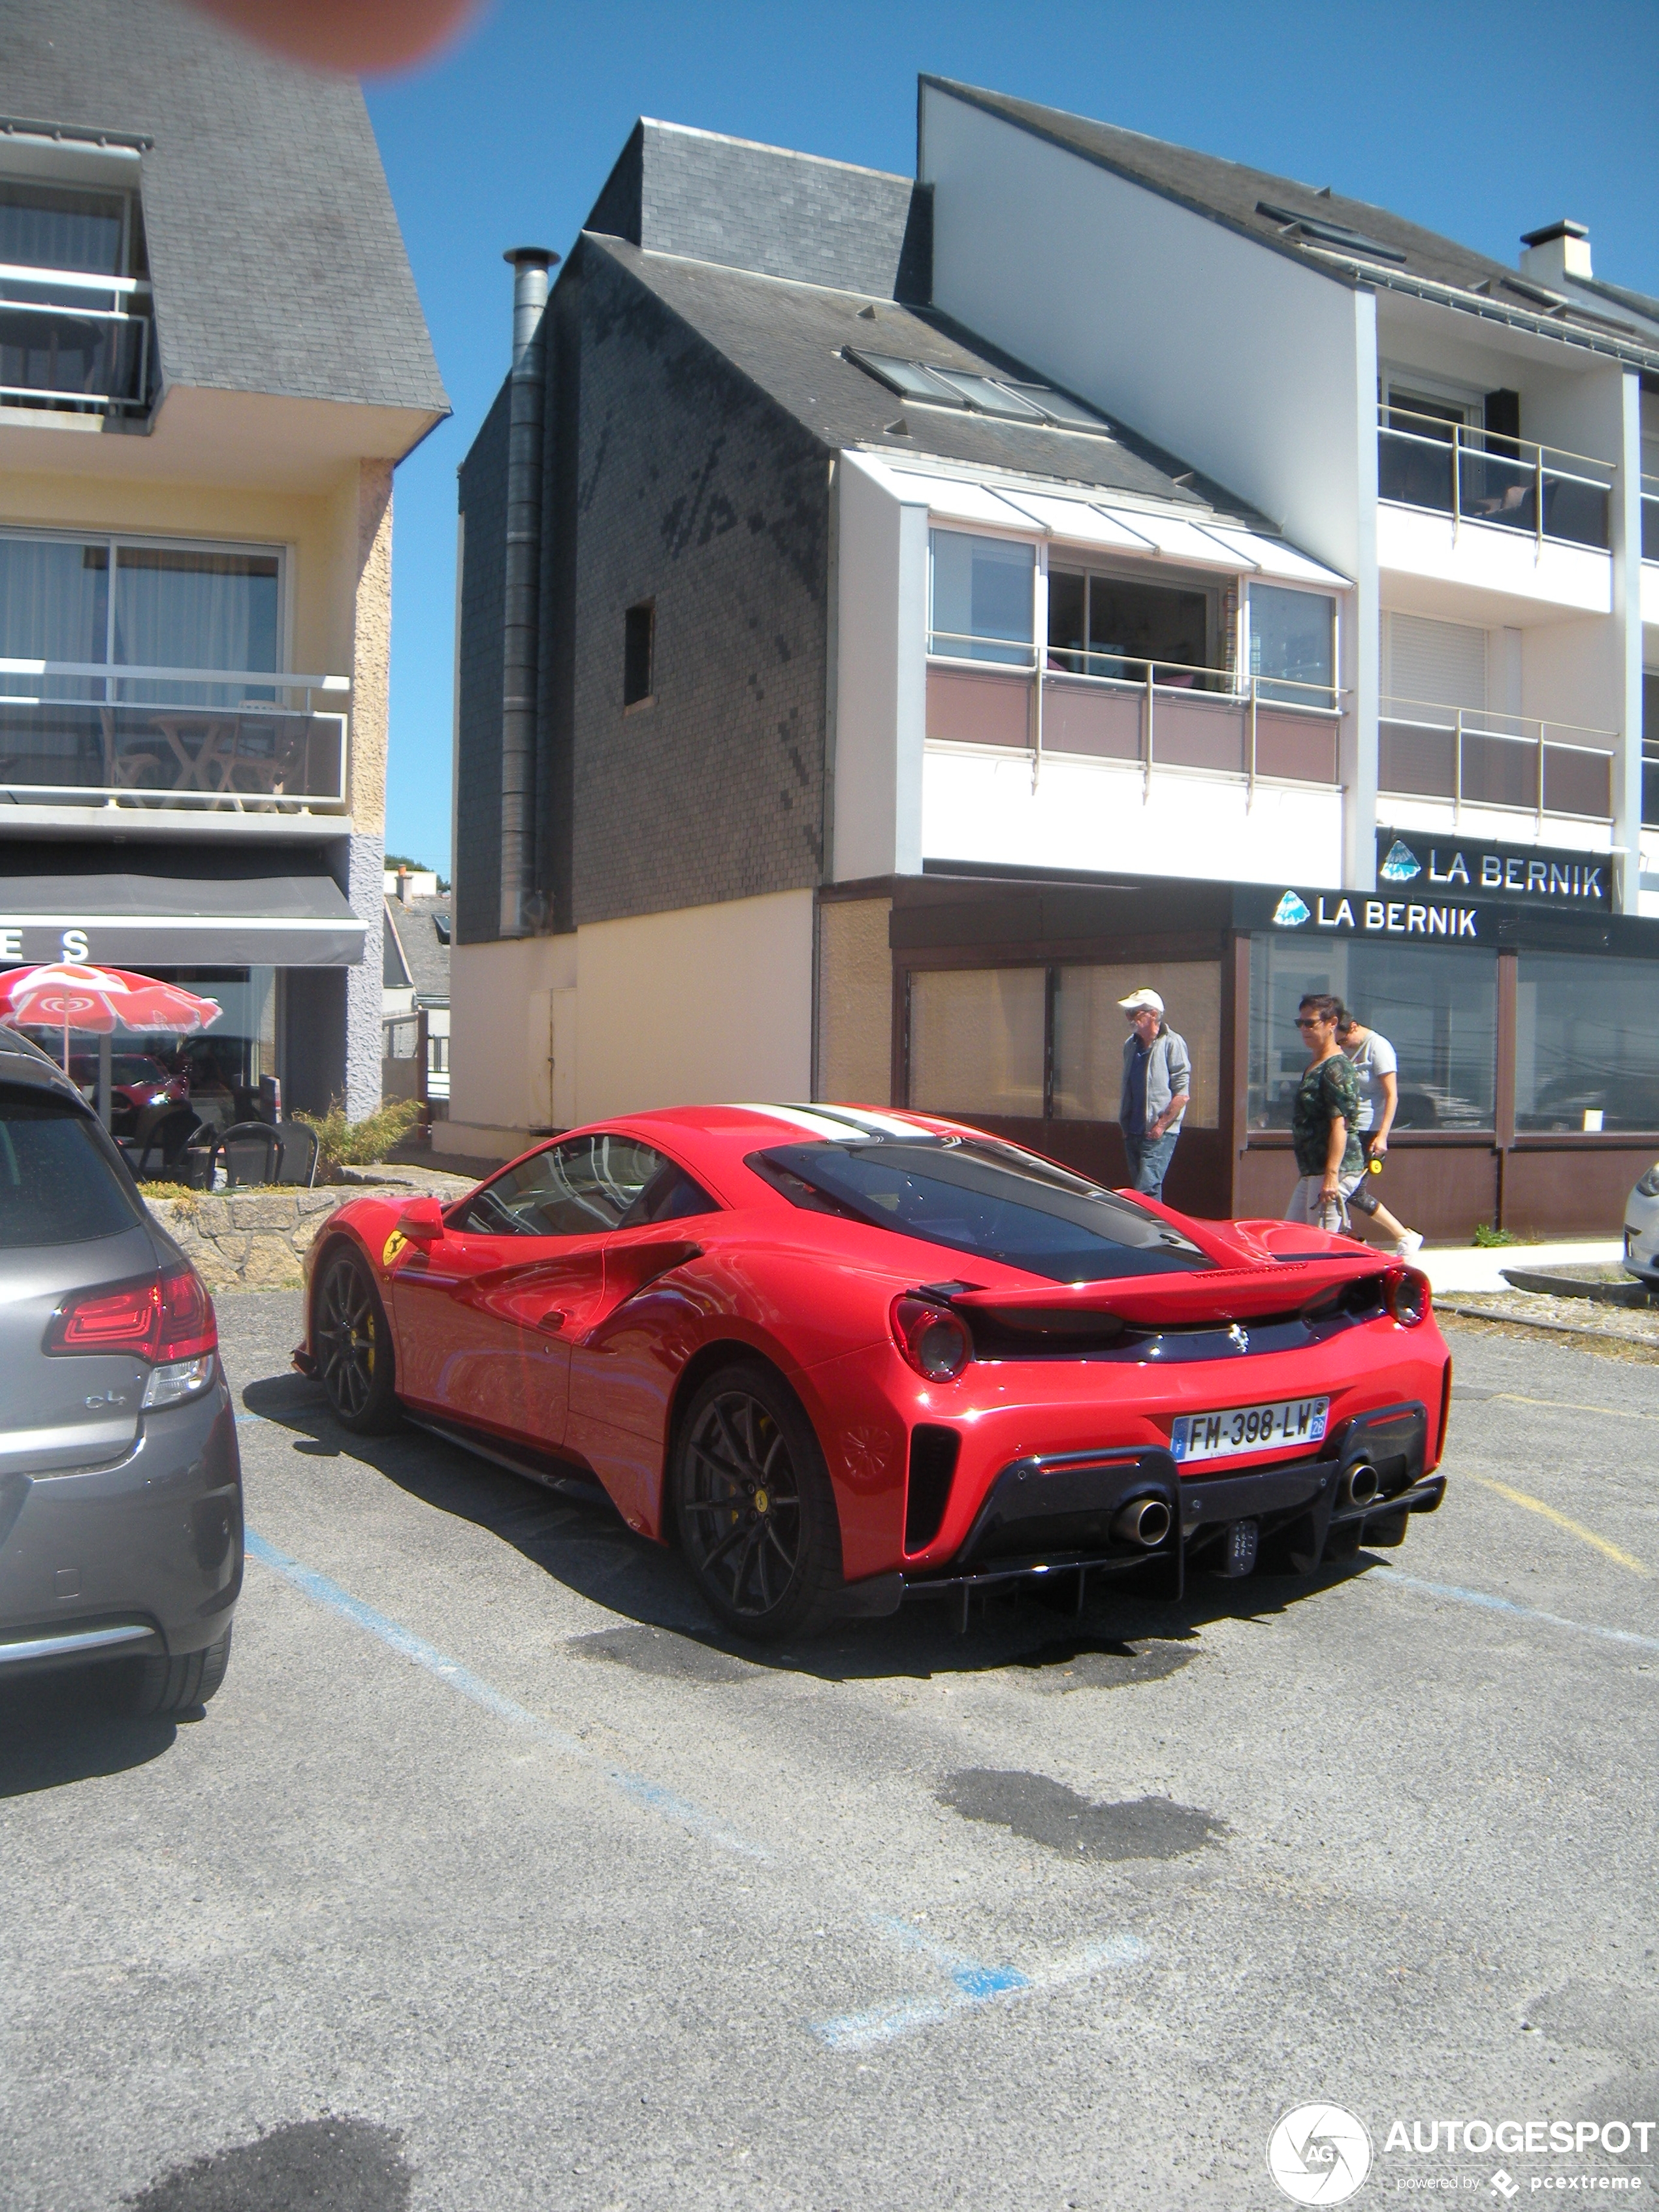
(175, 609)
(54, 605)
(42, 229)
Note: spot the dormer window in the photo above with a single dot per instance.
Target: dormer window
(76, 330)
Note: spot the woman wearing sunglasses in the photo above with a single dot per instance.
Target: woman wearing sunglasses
(1324, 1120)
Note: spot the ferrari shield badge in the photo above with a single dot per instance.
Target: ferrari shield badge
(394, 1244)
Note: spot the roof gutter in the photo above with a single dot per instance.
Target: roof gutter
(1382, 278)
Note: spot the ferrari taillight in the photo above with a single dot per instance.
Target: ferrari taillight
(1408, 1294)
(932, 1339)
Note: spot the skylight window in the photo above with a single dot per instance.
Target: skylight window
(1324, 232)
(976, 392)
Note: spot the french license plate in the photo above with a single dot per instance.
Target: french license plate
(1250, 1428)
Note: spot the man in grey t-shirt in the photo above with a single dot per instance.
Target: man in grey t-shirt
(1158, 1083)
(1377, 1065)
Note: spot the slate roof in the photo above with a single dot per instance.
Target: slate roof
(676, 190)
(275, 253)
(425, 956)
(786, 338)
(1230, 192)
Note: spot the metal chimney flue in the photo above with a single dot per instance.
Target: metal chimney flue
(526, 395)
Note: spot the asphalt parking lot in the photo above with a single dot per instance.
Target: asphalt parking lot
(494, 1878)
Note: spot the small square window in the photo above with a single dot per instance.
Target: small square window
(639, 637)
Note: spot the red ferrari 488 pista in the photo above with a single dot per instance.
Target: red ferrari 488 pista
(843, 1356)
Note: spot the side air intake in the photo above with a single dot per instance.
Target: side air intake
(932, 1468)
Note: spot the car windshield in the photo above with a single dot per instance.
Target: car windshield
(57, 1185)
(989, 1200)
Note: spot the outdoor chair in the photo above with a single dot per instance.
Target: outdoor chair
(298, 1164)
(252, 1151)
(169, 1136)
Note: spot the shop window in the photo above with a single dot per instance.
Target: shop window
(221, 1067)
(1586, 1043)
(639, 640)
(977, 1041)
(1090, 1029)
(1438, 1010)
(1293, 646)
(981, 597)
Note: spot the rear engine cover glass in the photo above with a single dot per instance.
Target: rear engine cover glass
(996, 1202)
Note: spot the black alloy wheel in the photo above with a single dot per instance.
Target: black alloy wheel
(352, 1346)
(756, 1512)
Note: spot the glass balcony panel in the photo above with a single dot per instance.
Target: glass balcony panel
(171, 752)
(1187, 734)
(1414, 471)
(975, 709)
(1301, 748)
(1498, 487)
(1575, 511)
(1084, 717)
(1579, 783)
(1417, 762)
(1498, 771)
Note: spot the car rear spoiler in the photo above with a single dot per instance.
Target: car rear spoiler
(1221, 1295)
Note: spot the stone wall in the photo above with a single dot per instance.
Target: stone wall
(251, 1239)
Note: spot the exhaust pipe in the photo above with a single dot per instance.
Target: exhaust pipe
(1144, 1521)
(1359, 1485)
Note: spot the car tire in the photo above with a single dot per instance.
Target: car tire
(152, 1686)
(351, 1342)
(753, 1505)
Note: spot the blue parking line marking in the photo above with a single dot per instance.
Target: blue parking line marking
(637, 1788)
(1488, 1604)
(972, 1987)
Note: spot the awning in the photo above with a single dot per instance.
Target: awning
(1104, 523)
(131, 920)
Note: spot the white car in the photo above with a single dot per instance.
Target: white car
(1642, 1228)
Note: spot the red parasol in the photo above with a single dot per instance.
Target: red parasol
(64, 995)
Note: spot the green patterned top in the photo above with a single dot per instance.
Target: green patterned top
(1330, 1087)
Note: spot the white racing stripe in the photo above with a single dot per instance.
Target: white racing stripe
(816, 1124)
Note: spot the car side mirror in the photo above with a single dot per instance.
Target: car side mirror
(421, 1221)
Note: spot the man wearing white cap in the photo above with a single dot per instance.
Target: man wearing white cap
(1157, 1082)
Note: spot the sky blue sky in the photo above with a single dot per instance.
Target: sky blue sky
(1482, 120)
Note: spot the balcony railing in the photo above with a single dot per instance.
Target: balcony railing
(1478, 475)
(1514, 763)
(1153, 714)
(75, 341)
(83, 733)
(1650, 517)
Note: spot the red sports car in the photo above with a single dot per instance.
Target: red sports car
(843, 1357)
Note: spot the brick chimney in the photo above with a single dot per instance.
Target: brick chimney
(1558, 252)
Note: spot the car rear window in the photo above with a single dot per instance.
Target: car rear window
(990, 1201)
(57, 1183)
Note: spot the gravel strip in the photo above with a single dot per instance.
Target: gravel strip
(1637, 1328)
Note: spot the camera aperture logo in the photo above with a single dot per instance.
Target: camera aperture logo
(1319, 2154)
